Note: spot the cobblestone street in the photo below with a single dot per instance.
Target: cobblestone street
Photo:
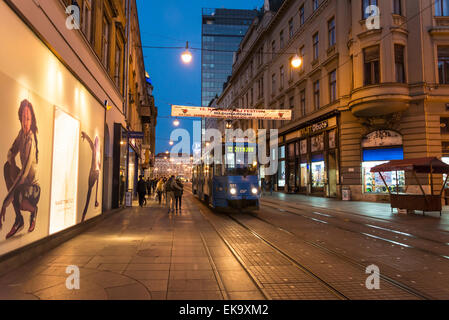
(286, 250)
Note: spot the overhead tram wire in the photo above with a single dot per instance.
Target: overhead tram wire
(407, 20)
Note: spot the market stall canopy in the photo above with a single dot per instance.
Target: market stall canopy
(419, 165)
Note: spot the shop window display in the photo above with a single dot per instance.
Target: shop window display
(281, 181)
(304, 174)
(318, 174)
(373, 182)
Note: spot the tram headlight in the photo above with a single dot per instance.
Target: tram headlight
(233, 191)
(254, 190)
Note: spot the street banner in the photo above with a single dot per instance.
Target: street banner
(135, 135)
(206, 112)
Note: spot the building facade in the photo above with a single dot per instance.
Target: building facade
(63, 72)
(222, 31)
(367, 91)
(180, 166)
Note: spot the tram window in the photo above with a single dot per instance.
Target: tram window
(230, 160)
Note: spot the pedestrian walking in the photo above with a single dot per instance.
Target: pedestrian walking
(149, 185)
(170, 195)
(154, 184)
(179, 190)
(141, 190)
(160, 189)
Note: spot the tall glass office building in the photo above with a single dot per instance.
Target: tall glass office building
(222, 32)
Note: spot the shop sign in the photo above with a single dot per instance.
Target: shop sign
(292, 136)
(135, 135)
(382, 138)
(318, 127)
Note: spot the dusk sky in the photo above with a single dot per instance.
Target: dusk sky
(172, 23)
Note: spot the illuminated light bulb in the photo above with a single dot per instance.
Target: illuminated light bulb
(296, 62)
(186, 56)
(176, 123)
(171, 143)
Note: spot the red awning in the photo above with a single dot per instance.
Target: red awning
(419, 165)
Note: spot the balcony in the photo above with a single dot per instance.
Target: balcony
(380, 100)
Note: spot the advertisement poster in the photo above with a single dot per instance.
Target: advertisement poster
(65, 172)
(20, 173)
(51, 149)
(317, 143)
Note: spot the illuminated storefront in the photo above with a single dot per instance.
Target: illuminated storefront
(281, 168)
(120, 166)
(57, 140)
(312, 159)
(380, 147)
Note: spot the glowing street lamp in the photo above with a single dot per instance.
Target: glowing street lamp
(171, 143)
(176, 122)
(186, 56)
(166, 152)
(296, 62)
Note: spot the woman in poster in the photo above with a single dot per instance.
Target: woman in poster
(94, 171)
(23, 188)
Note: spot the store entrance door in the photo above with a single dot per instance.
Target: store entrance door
(332, 174)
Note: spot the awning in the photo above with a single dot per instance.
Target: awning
(419, 165)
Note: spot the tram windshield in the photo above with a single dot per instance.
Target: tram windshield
(241, 159)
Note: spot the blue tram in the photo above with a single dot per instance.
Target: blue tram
(232, 183)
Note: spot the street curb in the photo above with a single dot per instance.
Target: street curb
(19, 257)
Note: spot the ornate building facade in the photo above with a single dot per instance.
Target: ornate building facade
(368, 90)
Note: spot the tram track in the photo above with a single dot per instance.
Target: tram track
(337, 293)
(317, 208)
(344, 258)
(397, 242)
(224, 291)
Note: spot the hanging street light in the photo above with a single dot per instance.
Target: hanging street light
(186, 56)
(176, 122)
(296, 61)
(171, 143)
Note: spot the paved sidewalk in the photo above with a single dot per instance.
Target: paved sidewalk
(139, 253)
(367, 209)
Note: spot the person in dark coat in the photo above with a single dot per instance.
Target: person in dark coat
(179, 189)
(141, 190)
(149, 184)
(264, 186)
